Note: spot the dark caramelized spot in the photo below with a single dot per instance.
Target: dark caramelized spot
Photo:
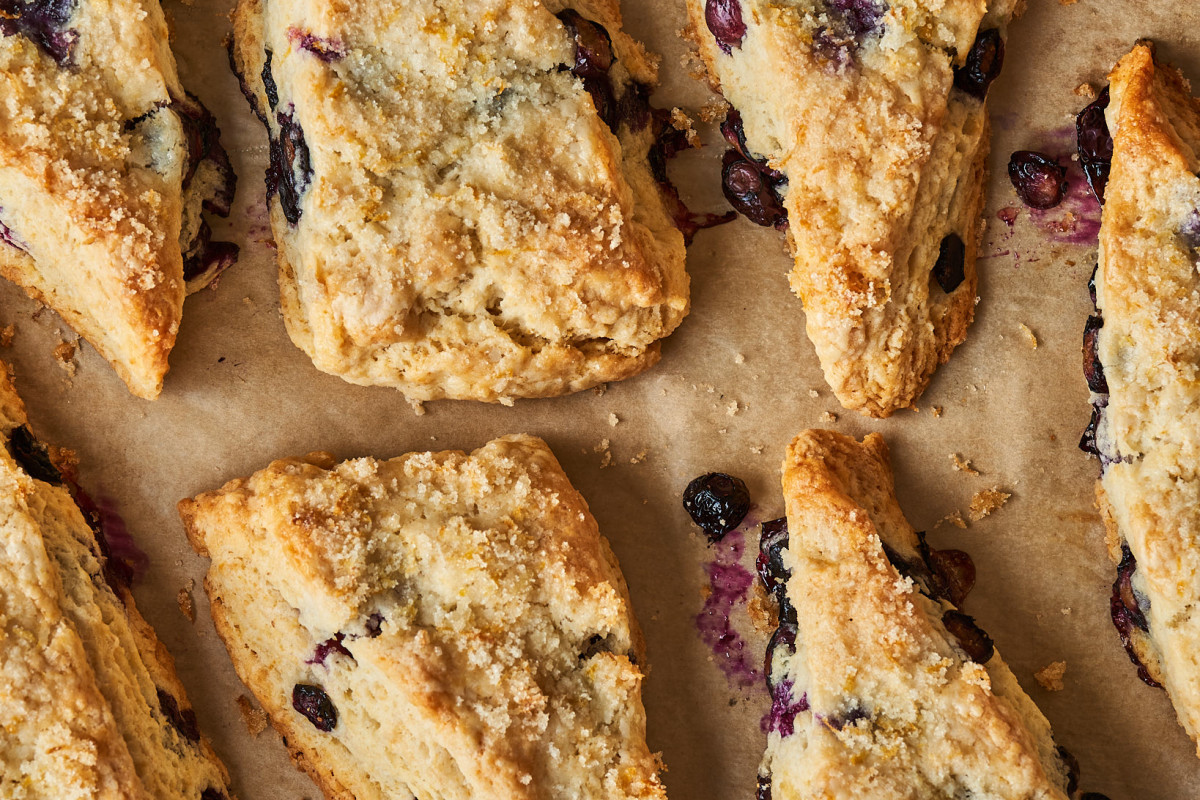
(983, 64)
(954, 572)
(315, 705)
(975, 643)
(1095, 144)
(1093, 370)
(950, 268)
(32, 456)
(182, 720)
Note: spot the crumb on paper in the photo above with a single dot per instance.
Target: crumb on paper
(600, 389)
(722, 430)
(936, 411)
(64, 354)
(714, 110)
(1051, 676)
(507, 402)
(739, 359)
(187, 606)
(828, 417)
(1086, 91)
(986, 502)
(605, 453)
(731, 409)
(955, 519)
(814, 394)
(65, 460)
(6, 335)
(639, 458)
(1064, 611)
(1030, 337)
(963, 464)
(680, 121)
(254, 717)
(613, 420)
(417, 407)
(756, 449)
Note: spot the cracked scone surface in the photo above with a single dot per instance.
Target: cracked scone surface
(878, 699)
(460, 615)
(1148, 295)
(884, 159)
(105, 165)
(90, 707)
(454, 218)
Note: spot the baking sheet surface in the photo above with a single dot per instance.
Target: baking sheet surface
(736, 382)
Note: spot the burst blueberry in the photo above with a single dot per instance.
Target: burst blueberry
(290, 170)
(182, 720)
(1040, 181)
(724, 20)
(593, 46)
(983, 63)
(751, 192)
(43, 22)
(717, 503)
(32, 456)
(1095, 144)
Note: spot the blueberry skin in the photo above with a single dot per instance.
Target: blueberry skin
(315, 705)
(717, 503)
(290, 171)
(1040, 181)
(1095, 144)
(751, 192)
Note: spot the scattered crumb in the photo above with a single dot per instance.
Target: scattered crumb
(722, 430)
(756, 449)
(987, 501)
(605, 453)
(814, 394)
(1030, 338)
(255, 718)
(602, 388)
(1086, 91)
(1051, 676)
(64, 353)
(738, 359)
(963, 464)
(731, 409)
(1064, 611)
(936, 411)
(417, 407)
(1067, 2)
(828, 417)
(187, 606)
(639, 458)
(507, 402)
(762, 610)
(954, 519)
(613, 420)
(714, 110)
(6, 335)
(680, 121)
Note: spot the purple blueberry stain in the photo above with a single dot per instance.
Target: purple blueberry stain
(331, 645)
(724, 20)
(729, 585)
(327, 50)
(781, 718)
(950, 268)
(313, 702)
(1095, 144)
(124, 562)
(983, 63)
(10, 238)
(43, 22)
(859, 17)
(1040, 181)
(717, 503)
(183, 720)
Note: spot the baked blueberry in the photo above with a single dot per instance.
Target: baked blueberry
(1093, 370)
(1095, 144)
(183, 720)
(717, 503)
(1040, 181)
(32, 456)
(290, 170)
(950, 268)
(724, 19)
(970, 637)
(315, 705)
(751, 191)
(44, 22)
(984, 60)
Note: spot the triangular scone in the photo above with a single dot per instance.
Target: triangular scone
(869, 118)
(105, 165)
(440, 624)
(90, 707)
(1142, 355)
(454, 216)
(879, 696)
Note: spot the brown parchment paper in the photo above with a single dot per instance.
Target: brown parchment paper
(736, 382)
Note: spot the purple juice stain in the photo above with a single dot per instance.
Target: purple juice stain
(331, 645)
(1075, 220)
(10, 238)
(729, 584)
(781, 718)
(327, 50)
(43, 22)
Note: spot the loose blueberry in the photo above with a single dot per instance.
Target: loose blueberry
(763, 791)
(315, 705)
(1072, 764)
(724, 18)
(32, 456)
(983, 64)
(182, 720)
(290, 169)
(950, 268)
(1040, 181)
(717, 503)
(751, 192)
(1093, 370)
(771, 544)
(975, 643)
(593, 46)
(1087, 442)
(44, 22)
(1095, 144)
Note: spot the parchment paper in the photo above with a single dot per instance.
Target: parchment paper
(240, 394)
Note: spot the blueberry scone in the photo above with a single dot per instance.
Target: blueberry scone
(880, 687)
(106, 167)
(469, 199)
(859, 126)
(1142, 358)
(441, 624)
(90, 706)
